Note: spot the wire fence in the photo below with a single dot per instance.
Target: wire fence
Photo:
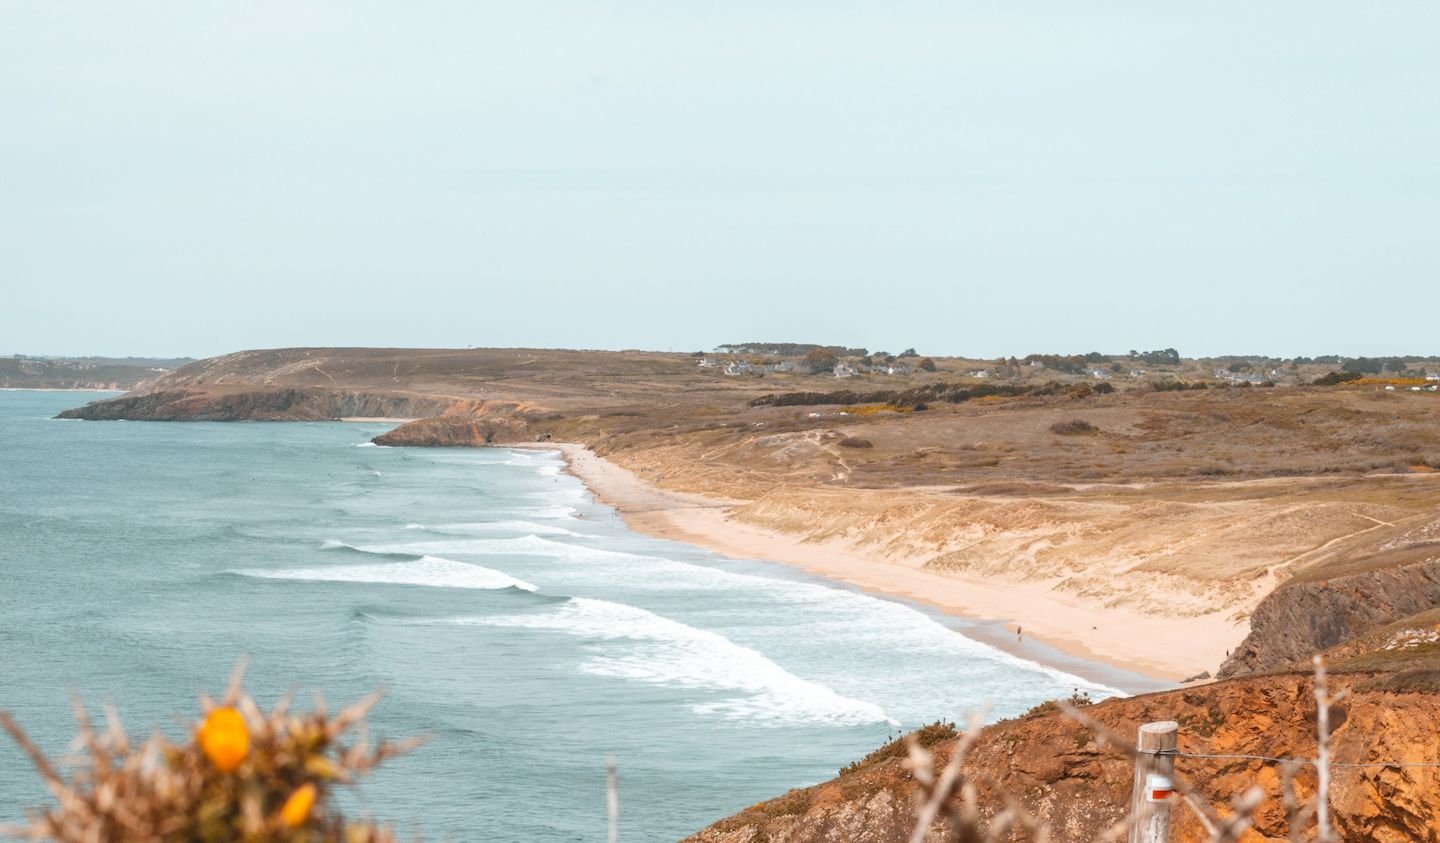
(1270, 758)
(948, 808)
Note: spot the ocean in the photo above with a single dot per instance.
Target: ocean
(510, 618)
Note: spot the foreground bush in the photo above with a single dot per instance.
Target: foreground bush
(244, 776)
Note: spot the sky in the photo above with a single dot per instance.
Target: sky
(966, 178)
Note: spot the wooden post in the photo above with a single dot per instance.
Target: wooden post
(1150, 821)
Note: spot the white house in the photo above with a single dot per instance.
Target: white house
(844, 370)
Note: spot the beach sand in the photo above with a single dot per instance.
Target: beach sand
(1164, 649)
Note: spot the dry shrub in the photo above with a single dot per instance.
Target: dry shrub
(926, 736)
(1074, 427)
(244, 776)
(856, 442)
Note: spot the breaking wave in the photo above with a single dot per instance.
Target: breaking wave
(432, 571)
(641, 646)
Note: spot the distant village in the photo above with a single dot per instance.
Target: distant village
(841, 369)
(1162, 368)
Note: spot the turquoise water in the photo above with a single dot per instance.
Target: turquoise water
(510, 617)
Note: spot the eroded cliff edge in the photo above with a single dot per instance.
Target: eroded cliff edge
(1318, 612)
(283, 404)
(1375, 619)
(1055, 768)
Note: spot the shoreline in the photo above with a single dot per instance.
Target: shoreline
(58, 389)
(702, 521)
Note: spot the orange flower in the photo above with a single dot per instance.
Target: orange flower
(297, 807)
(225, 739)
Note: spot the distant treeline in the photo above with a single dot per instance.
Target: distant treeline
(1070, 364)
(918, 398)
(789, 349)
(1163, 357)
(1376, 365)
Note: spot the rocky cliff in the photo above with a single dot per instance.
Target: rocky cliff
(1055, 767)
(1305, 617)
(466, 431)
(284, 404)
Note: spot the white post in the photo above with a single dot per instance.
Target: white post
(1150, 819)
(1322, 759)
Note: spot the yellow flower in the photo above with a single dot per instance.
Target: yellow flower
(225, 739)
(297, 807)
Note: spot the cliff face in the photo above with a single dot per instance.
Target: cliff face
(1054, 767)
(1303, 618)
(459, 431)
(259, 404)
(83, 372)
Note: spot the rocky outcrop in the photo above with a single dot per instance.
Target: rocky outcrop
(1303, 618)
(1055, 768)
(459, 431)
(286, 404)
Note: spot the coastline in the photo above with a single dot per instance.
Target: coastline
(989, 610)
(57, 389)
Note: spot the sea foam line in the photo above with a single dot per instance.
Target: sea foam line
(433, 571)
(641, 646)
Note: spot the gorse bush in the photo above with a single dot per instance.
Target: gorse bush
(243, 776)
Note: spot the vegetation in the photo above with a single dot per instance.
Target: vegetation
(821, 360)
(1075, 700)
(243, 776)
(1374, 365)
(855, 442)
(788, 349)
(926, 737)
(1337, 378)
(1074, 427)
(1163, 357)
(1176, 386)
(913, 399)
(1072, 364)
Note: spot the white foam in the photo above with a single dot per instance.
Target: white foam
(366, 445)
(507, 526)
(429, 570)
(840, 616)
(642, 646)
(552, 512)
(945, 663)
(531, 545)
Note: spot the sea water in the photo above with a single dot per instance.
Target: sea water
(510, 619)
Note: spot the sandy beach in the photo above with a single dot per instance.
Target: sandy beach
(1164, 649)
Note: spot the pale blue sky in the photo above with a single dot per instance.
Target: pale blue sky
(966, 178)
